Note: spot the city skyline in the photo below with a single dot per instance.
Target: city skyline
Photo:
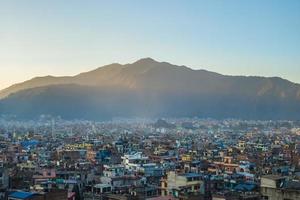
(149, 100)
(232, 38)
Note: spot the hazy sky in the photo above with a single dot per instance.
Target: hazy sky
(65, 37)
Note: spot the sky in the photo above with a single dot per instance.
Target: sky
(66, 37)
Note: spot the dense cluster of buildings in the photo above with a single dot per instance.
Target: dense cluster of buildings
(143, 159)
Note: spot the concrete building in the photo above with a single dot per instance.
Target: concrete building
(275, 187)
(175, 183)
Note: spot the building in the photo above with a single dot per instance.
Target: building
(176, 183)
(275, 187)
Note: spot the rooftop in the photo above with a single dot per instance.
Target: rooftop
(190, 175)
(21, 195)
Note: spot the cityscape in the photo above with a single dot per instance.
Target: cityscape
(149, 100)
(187, 158)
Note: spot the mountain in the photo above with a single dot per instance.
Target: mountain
(148, 88)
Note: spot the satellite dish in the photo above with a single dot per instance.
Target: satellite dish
(281, 184)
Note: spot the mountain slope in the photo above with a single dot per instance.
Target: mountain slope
(148, 88)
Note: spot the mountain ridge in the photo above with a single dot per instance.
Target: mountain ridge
(150, 88)
(56, 80)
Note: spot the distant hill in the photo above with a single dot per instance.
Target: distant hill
(163, 124)
(148, 88)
